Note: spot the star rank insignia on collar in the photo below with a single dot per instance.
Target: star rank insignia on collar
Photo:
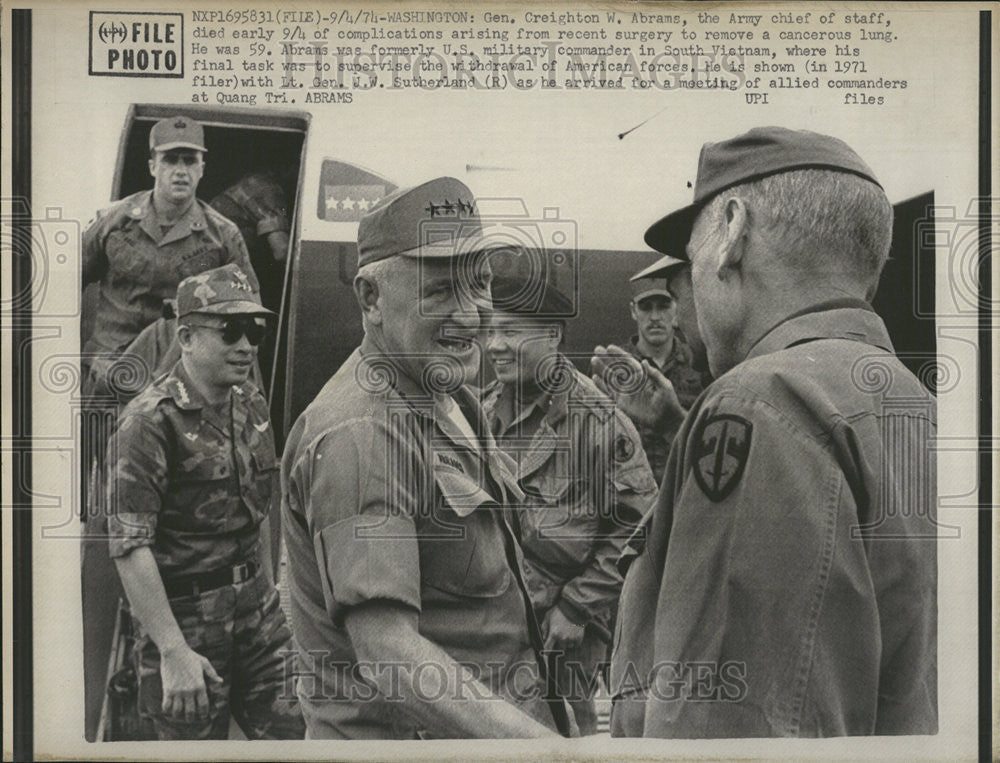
(722, 447)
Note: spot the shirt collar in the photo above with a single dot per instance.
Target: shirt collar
(193, 219)
(677, 352)
(410, 391)
(550, 406)
(183, 391)
(845, 318)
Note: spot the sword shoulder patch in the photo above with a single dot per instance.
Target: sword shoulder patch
(721, 451)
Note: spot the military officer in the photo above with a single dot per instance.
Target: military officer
(661, 343)
(192, 474)
(140, 248)
(410, 610)
(581, 466)
(799, 495)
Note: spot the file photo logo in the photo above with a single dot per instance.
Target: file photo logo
(135, 44)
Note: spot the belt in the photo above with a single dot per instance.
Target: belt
(193, 585)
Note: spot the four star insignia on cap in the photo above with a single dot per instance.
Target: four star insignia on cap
(180, 124)
(241, 282)
(450, 209)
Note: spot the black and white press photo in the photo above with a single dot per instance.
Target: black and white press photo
(501, 381)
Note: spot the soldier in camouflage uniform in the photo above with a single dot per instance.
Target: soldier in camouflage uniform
(581, 465)
(260, 204)
(192, 476)
(140, 248)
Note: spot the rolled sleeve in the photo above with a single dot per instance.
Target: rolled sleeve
(271, 224)
(136, 483)
(368, 558)
(362, 520)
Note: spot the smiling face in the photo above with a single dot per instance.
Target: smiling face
(517, 346)
(176, 174)
(429, 314)
(208, 358)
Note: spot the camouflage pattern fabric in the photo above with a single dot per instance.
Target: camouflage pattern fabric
(259, 206)
(189, 479)
(243, 632)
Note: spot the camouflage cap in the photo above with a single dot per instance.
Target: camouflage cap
(177, 132)
(220, 291)
(435, 219)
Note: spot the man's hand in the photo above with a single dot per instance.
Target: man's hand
(642, 393)
(385, 634)
(278, 242)
(182, 672)
(560, 632)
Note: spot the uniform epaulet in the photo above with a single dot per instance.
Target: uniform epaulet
(147, 401)
(585, 392)
(117, 211)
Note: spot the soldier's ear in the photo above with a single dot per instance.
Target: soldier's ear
(183, 336)
(152, 165)
(736, 230)
(367, 292)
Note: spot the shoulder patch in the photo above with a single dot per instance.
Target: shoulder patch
(624, 449)
(721, 450)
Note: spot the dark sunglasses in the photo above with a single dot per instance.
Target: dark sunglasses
(234, 328)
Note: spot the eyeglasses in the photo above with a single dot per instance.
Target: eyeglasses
(235, 328)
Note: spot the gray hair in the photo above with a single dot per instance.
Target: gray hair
(827, 222)
(378, 273)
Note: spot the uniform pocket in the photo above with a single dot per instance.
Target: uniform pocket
(198, 263)
(560, 510)
(126, 259)
(202, 493)
(462, 548)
